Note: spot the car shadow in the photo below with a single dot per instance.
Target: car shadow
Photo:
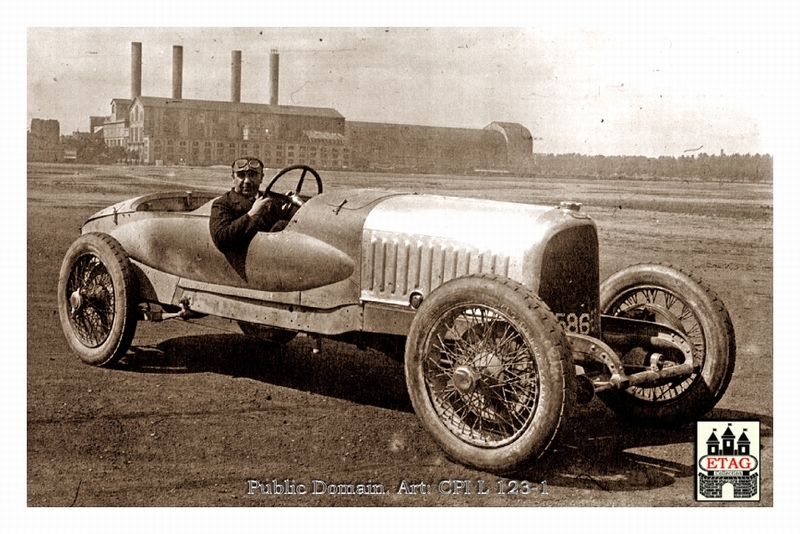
(603, 451)
(338, 370)
(597, 450)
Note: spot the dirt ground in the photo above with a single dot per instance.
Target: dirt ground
(196, 410)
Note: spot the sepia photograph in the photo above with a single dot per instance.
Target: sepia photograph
(404, 266)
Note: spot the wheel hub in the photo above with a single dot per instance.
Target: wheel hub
(464, 379)
(76, 301)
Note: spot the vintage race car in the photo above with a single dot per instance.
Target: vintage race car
(496, 307)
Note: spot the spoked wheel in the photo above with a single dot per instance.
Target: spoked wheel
(661, 294)
(489, 373)
(484, 383)
(97, 299)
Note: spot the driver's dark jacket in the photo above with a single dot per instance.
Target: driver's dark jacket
(231, 227)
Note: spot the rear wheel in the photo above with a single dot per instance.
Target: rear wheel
(97, 292)
(665, 295)
(489, 372)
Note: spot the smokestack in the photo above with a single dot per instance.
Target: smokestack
(236, 76)
(136, 70)
(274, 64)
(177, 72)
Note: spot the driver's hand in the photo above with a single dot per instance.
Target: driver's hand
(260, 205)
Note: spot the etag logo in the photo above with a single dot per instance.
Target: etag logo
(727, 467)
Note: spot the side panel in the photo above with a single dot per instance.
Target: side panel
(284, 261)
(316, 254)
(337, 218)
(331, 321)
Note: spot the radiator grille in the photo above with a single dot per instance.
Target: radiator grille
(395, 266)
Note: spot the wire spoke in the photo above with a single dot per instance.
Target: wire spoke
(663, 306)
(93, 316)
(500, 395)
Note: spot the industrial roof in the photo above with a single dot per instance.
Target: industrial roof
(246, 107)
(388, 132)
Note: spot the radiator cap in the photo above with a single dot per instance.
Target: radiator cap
(569, 205)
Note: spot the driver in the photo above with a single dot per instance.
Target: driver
(240, 213)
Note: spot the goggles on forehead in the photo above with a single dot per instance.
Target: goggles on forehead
(244, 164)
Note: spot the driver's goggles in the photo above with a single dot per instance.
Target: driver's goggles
(243, 164)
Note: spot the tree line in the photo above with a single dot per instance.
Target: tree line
(705, 167)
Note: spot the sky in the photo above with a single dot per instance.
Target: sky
(616, 90)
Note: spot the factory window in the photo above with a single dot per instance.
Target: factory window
(169, 142)
(232, 145)
(279, 162)
(220, 144)
(195, 143)
(157, 142)
(255, 146)
(313, 151)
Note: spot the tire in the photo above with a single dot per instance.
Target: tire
(97, 299)
(661, 293)
(489, 372)
(278, 336)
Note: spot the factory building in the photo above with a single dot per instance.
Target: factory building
(115, 128)
(44, 141)
(402, 147)
(175, 130)
(202, 132)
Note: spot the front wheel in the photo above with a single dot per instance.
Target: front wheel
(489, 372)
(97, 292)
(666, 295)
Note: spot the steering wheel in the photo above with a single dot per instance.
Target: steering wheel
(294, 196)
